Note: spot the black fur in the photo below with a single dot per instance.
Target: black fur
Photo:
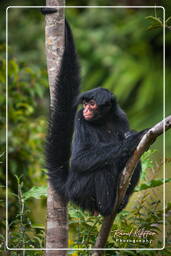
(48, 10)
(88, 172)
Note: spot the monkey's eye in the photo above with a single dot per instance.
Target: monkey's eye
(92, 103)
(85, 104)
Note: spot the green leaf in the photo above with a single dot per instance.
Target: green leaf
(74, 213)
(155, 19)
(38, 226)
(14, 67)
(168, 19)
(36, 192)
(154, 26)
(152, 184)
(2, 154)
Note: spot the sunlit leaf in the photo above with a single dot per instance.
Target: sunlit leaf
(152, 184)
(155, 19)
(36, 192)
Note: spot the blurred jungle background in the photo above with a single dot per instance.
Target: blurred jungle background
(119, 49)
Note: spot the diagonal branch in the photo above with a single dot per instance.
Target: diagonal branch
(147, 140)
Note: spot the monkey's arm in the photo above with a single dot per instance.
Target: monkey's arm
(94, 157)
(86, 160)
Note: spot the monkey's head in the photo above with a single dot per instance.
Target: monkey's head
(97, 104)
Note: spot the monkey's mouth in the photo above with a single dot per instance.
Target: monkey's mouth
(88, 115)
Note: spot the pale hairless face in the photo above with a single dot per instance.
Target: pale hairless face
(89, 109)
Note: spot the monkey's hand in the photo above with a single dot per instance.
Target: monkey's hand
(132, 141)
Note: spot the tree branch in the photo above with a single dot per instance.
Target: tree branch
(147, 140)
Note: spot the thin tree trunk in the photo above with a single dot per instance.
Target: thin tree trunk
(57, 228)
(147, 140)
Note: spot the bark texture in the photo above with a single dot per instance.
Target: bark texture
(57, 228)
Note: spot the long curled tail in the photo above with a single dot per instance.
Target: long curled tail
(61, 123)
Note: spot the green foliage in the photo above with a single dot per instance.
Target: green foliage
(26, 126)
(156, 22)
(151, 184)
(148, 164)
(83, 227)
(115, 54)
(27, 87)
(21, 233)
(36, 192)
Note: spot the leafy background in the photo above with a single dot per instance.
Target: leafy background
(119, 49)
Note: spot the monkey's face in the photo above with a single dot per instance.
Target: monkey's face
(90, 109)
(98, 104)
(93, 112)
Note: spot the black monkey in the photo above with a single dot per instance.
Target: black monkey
(101, 146)
(86, 151)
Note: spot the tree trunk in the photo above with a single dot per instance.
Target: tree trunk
(57, 229)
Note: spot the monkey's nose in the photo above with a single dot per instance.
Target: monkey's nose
(86, 109)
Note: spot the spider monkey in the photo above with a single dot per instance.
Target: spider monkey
(86, 150)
